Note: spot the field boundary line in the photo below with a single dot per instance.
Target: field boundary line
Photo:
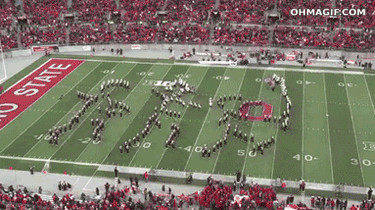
(355, 134)
(44, 112)
(204, 121)
(328, 134)
(296, 69)
(69, 112)
(197, 176)
(234, 106)
(277, 133)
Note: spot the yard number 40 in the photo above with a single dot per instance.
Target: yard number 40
(307, 157)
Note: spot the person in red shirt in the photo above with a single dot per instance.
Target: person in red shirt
(146, 176)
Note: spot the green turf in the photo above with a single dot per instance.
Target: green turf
(329, 140)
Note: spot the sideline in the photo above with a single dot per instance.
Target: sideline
(288, 68)
(201, 176)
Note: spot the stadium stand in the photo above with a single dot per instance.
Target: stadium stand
(189, 11)
(183, 33)
(50, 35)
(171, 21)
(43, 12)
(87, 34)
(253, 36)
(285, 6)
(93, 11)
(214, 195)
(245, 11)
(141, 10)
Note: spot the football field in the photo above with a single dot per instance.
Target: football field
(331, 138)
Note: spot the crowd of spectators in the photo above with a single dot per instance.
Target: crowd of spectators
(189, 10)
(351, 39)
(363, 21)
(185, 21)
(285, 6)
(7, 12)
(139, 10)
(43, 12)
(49, 35)
(135, 33)
(93, 11)
(196, 33)
(88, 34)
(300, 37)
(8, 41)
(245, 11)
(322, 202)
(244, 35)
(214, 195)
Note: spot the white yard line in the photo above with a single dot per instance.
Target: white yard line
(140, 82)
(355, 134)
(329, 135)
(80, 124)
(122, 101)
(303, 126)
(150, 129)
(139, 148)
(69, 112)
(204, 122)
(369, 94)
(150, 132)
(234, 105)
(165, 150)
(277, 133)
(42, 114)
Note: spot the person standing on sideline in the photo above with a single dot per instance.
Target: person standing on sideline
(146, 176)
(116, 172)
(369, 194)
(302, 186)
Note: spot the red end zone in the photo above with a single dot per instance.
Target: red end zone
(23, 94)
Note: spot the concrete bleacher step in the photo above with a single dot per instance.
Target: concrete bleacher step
(164, 5)
(216, 5)
(46, 197)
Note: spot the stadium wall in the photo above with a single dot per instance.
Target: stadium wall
(182, 47)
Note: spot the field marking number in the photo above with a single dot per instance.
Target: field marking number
(307, 157)
(365, 162)
(183, 76)
(242, 152)
(108, 71)
(341, 84)
(143, 73)
(221, 77)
